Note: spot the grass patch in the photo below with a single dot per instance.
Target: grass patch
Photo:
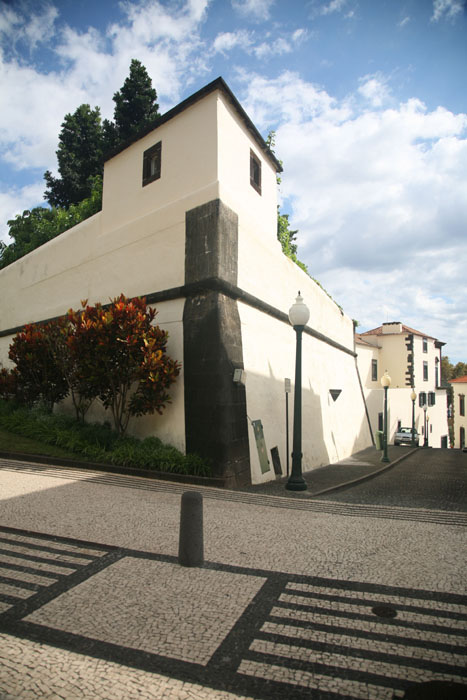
(17, 443)
(90, 442)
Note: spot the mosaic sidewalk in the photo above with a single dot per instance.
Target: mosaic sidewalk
(238, 632)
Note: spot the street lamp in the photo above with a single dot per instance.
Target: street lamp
(425, 427)
(413, 396)
(298, 317)
(385, 383)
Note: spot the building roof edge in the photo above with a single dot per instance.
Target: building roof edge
(217, 84)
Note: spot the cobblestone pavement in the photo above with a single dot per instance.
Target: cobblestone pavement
(298, 598)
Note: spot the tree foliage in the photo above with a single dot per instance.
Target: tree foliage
(450, 371)
(32, 229)
(122, 357)
(39, 378)
(79, 156)
(286, 237)
(83, 141)
(135, 107)
(113, 353)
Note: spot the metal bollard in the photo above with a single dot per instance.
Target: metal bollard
(190, 546)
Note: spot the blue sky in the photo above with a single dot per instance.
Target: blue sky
(367, 97)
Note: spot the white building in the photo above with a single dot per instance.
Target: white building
(413, 361)
(189, 220)
(459, 387)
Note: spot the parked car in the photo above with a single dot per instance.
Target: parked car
(404, 437)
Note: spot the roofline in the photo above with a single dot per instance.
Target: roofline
(217, 84)
(458, 380)
(378, 331)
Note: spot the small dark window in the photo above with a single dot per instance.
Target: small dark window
(431, 398)
(255, 172)
(422, 398)
(425, 371)
(152, 164)
(374, 370)
(425, 345)
(462, 405)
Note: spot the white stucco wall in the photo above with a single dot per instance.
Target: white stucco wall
(136, 245)
(459, 388)
(332, 430)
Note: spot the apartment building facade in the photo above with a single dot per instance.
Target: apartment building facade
(413, 361)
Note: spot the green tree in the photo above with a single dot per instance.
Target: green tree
(450, 371)
(32, 229)
(79, 156)
(135, 107)
(286, 237)
(459, 370)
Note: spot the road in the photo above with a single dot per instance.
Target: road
(360, 594)
(429, 478)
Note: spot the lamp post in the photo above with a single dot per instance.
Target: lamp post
(413, 396)
(298, 317)
(385, 383)
(425, 428)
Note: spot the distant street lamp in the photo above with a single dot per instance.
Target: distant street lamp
(425, 428)
(385, 383)
(413, 396)
(298, 317)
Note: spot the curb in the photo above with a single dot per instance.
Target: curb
(366, 477)
(110, 468)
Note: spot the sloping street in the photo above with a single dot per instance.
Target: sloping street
(358, 593)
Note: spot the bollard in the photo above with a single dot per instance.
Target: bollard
(190, 546)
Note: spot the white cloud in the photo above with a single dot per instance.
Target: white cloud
(272, 44)
(332, 6)
(374, 89)
(446, 9)
(92, 66)
(404, 21)
(378, 196)
(226, 41)
(253, 9)
(38, 30)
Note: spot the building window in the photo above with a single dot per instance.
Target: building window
(425, 371)
(425, 345)
(374, 370)
(462, 437)
(152, 163)
(461, 405)
(255, 172)
(431, 398)
(422, 398)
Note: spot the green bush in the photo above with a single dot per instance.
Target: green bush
(98, 442)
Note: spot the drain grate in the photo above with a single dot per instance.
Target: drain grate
(384, 611)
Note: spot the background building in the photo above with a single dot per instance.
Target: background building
(412, 360)
(459, 389)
